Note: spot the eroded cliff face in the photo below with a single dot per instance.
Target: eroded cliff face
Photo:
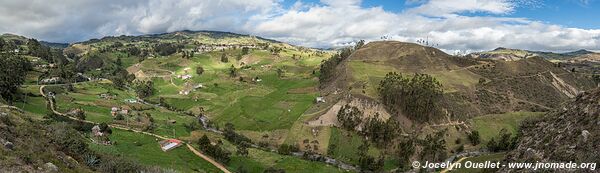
(570, 133)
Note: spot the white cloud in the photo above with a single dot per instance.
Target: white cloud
(445, 7)
(329, 23)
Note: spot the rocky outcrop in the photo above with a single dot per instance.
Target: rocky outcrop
(570, 133)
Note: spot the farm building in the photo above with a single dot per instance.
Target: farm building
(169, 144)
(96, 131)
(131, 100)
(320, 100)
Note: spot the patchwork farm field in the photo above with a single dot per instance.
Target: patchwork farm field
(146, 150)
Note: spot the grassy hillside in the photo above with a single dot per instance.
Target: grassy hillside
(472, 86)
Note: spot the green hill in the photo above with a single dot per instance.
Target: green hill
(472, 86)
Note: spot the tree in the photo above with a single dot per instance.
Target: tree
(280, 72)
(224, 58)
(199, 70)
(104, 128)
(287, 149)
(433, 147)
(13, 69)
(327, 68)
(235, 138)
(165, 49)
(349, 117)
(474, 137)
(359, 44)
(380, 131)
(414, 96)
(215, 151)
(144, 89)
(232, 71)
(504, 143)
(245, 50)
(369, 163)
(406, 149)
(242, 150)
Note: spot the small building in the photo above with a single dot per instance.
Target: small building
(51, 80)
(169, 144)
(320, 100)
(184, 92)
(96, 131)
(106, 96)
(131, 100)
(114, 111)
(186, 77)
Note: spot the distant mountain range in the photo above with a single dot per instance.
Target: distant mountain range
(516, 54)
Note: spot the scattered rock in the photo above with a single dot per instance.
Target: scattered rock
(50, 167)
(585, 135)
(9, 145)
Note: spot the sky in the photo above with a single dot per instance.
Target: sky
(451, 25)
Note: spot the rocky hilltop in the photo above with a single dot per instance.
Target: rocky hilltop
(566, 134)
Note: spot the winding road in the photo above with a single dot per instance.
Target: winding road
(196, 152)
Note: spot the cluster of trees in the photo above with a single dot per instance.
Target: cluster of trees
(233, 137)
(187, 54)
(39, 50)
(414, 96)
(406, 148)
(133, 51)
(166, 49)
(433, 147)
(245, 50)
(368, 163)
(7, 45)
(504, 141)
(380, 131)
(214, 151)
(375, 128)
(13, 69)
(474, 137)
(287, 149)
(240, 141)
(349, 117)
(327, 70)
(144, 89)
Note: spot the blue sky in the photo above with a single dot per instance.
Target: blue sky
(569, 13)
(451, 25)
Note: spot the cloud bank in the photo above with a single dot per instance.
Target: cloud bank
(451, 25)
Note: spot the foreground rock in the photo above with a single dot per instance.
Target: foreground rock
(570, 133)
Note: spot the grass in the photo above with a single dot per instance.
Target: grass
(258, 161)
(371, 73)
(489, 125)
(146, 150)
(346, 145)
(276, 110)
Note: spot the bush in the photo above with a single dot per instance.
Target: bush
(474, 137)
(199, 70)
(286, 149)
